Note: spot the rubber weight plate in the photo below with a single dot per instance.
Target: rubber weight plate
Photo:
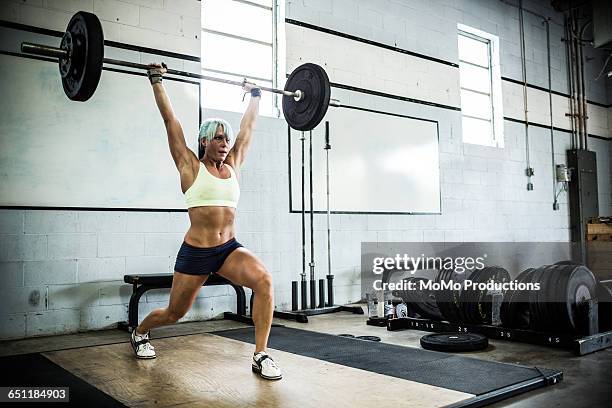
(368, 338)
(309, 111)
(580, 287)
(422, 301)
(476, 303)
(447, 299)
(515, 307)
(535, 314)
(84, 40)
(454, 342)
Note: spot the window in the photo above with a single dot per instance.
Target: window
(480, 84)
(240, 39)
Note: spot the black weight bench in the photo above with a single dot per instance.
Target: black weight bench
(142, 283)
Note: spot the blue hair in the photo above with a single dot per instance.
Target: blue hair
(208, 130)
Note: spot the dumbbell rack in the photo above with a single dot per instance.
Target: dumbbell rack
(587, 343)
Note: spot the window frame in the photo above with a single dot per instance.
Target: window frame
(277, 64)
(496, 137)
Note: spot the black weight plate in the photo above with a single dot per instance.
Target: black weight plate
(519, 304)
(425, 302)
(469, 297)
(544, 315)
(451, 295)
(442, 297)
(466, 298)
(535, 315)
(308, 112)
(484, 300)
(454, 342)
(455, 295)
(514, 311)
(368, 338)
(567, 262)
(80, 76)
(551, 319)
(561, 298)
(557, 299)
(581, 286)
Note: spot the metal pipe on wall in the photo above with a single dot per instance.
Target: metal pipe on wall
(570, 81)
(585, 116)
(577, 101)
(550, 110)
(524, 74)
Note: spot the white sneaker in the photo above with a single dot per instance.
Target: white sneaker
(142, 346)
(265, 366)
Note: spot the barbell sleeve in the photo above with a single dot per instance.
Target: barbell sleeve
(43, 50)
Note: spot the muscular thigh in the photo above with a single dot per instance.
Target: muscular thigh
(184, 290)
(243, 268)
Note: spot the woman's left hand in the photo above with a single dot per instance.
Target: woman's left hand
(247, 86)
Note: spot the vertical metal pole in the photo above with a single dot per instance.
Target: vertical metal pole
(550, 111)
(321, 292)
(570, 80)
(313, 288)
(330, 277)
(275, 51)
(524, 74)
(303, 275)
(582, 86)
(294, 295)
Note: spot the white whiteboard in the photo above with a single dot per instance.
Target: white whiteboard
(108, 152)
(378, 163)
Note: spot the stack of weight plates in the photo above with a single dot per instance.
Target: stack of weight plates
(476, 304)
(556, 307)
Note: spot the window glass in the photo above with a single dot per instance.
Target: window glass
(233, 55)
(237, 41)
(474, 51)
(475, 78)
(227, 97)
(475, 104)
(232, 17)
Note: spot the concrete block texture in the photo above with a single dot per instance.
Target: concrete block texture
(117, 11)
(52, 272)
(11, 221)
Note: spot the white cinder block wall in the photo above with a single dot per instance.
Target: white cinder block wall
(61, 271)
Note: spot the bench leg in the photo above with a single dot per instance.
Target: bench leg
(240, 300)
(133, 307)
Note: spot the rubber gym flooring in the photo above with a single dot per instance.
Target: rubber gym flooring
(198, 368)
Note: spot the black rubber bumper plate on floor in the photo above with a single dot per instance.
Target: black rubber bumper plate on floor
(489, 381)
(35, 370)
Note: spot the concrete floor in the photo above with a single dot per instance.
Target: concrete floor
(587, 379)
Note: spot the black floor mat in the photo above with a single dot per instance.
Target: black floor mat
(454, 372)
(32, 370)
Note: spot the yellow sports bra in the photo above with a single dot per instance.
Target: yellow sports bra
(208, 190)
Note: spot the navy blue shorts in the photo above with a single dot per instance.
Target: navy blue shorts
(203, 261)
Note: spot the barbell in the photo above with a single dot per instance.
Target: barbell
(306, 96)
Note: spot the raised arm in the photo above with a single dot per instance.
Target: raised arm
(247, 124)
(182, 156)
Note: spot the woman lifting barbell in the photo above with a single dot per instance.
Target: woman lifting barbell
(209, 182)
